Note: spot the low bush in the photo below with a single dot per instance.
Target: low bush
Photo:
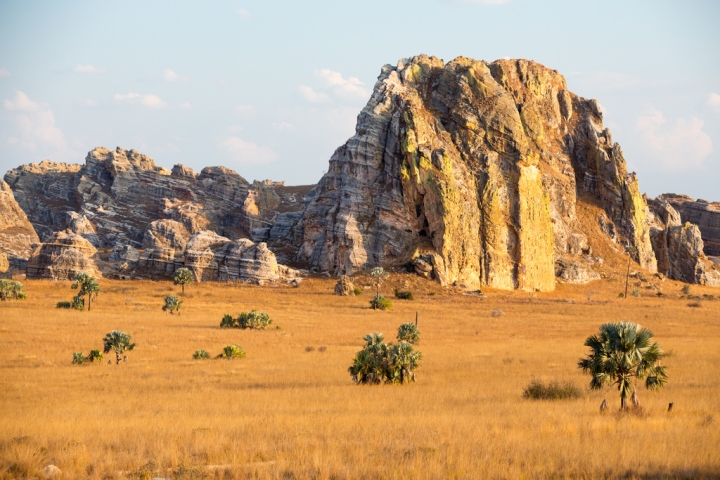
(77, 303)
(63, 305)
(380, 303)
(635, 292)
(12, 290)
(538, 390)
(252, 320)
(403, 294)
(93, 357)
(232, 352)
(380, 362)
(408, 332)
(357, 291)
(172, 304)
(201, 354)
(78, 358)
(686, 289)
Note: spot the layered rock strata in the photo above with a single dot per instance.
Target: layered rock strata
(704, 214)
(62, 257)
(17, 235)
(477, 166)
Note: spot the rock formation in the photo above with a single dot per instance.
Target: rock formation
(62, 257)
(344, 287)
(477, 166)
(704, 214)
(678, 246)
(16, 233)
(117, 196)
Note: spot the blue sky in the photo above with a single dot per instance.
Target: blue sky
(271, 88)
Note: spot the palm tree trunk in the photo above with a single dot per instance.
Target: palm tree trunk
(89, 296)
(623, 403)
(182, 286)
(117, 358)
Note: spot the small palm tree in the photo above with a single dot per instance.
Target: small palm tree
(182, 277)
(172, 304)
(408, 332)
(78, 358)
(118, 341)
(88, 287)
(232, 352)
(95, 356)
(622, 353)
(403, 359)
(201, 354)
(379, 274)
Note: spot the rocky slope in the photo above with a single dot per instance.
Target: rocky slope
(17, 235)
(475, 168)
(704, 214)
(117, 196)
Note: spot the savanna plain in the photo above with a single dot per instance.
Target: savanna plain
(290, 409)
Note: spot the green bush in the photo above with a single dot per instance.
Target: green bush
(537, 390)
(380, 303)
(95, 356)
(357, 291)
(252, 320)
(201, 354)
(408, 332)
(635, 292)
(63, 305)
(232, 352)
(12, 290)
(78, 358)
(78, 303)
(380, 362)
(403, 294)
(172, 304)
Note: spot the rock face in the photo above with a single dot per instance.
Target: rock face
(679, 247)
(344, 287)
(62, 257)
(479, 167)
(117, 196)
(704, 214)
(16, 233)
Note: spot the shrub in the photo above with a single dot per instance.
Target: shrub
(78, 358)
(357, 291)
(694, 304)
(408, 332)
(11, 290)
(232, 351)
(172, 304)
(621, 295)
(496, 313)
(537, 390)
(228, 321)
(380, 362)
(403, 294)
(182, 277)
(78, 303)
(686, 290)
(95, 356)
(201, 354)
(635, 292)
(63, 305)
(380, 303)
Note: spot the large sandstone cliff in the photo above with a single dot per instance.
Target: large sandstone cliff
(704, 214)
(476, 167)
(17, 235)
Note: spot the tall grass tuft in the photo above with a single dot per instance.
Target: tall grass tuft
(538, 390)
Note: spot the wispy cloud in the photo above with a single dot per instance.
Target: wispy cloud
(244, 13)
(349, 87)
(33, 127)
(676, 144)
(147, 100)
(89, 69)
(172, 77)
(714, 102)
(4, 72)
(311, 95)
(247, 153)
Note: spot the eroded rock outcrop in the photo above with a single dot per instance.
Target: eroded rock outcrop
(679, 247)
(344, 287)
(62, 257)
(479, 167)
(704, 214)
(17, 235)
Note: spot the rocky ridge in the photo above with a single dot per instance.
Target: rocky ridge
(17, 235)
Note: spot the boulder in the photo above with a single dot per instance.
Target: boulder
(166, 234)
(344, 287)
(571, 271)
(124, 253)
(62, 257)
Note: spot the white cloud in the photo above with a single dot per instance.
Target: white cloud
(89, 69)
(170, 76)
(147, 100)
(244, 13)
(311, 95)
(283, 127)
(247, 153)
(34, 127)
(4, 72)
(676, 144)
(350, 87)
(185, 106)
(714, 102)
(245, 109)
(20, 103)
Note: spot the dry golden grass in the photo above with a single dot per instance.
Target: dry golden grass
(288, 411)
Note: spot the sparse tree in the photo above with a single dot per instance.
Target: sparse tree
(182, 277)
(89, 288)
(622, 353)
(119, 342)
(172, 304)
(408, 332)
(402, 361)
(379, 274)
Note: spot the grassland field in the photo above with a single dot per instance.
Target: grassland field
(290, 409)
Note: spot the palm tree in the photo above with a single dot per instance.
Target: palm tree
(182, 277)
(369, 364)
(408, 332)
(403, 360)
(621, 354)
(173, 304)
(88, 286)
(118, 341)
(379, 274)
